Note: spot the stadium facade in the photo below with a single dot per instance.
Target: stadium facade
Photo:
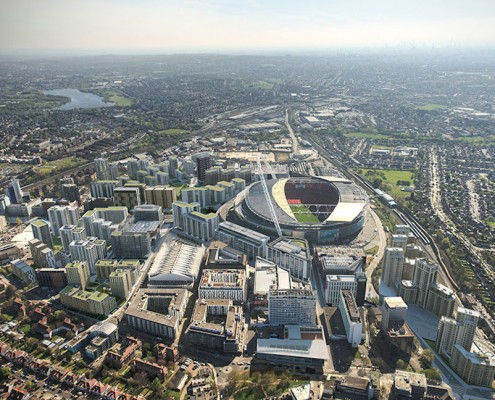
(320, 209)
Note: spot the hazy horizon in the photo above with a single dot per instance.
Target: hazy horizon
(241, 27)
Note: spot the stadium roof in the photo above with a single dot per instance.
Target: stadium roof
(345, 212)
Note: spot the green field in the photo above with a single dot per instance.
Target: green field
(116, 97)
(367, 135)
(174, 131)
(389, 184)
(380, 147)
(302, 214)
(430, 107)
(52, 167)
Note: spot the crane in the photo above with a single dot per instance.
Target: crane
(267, 196)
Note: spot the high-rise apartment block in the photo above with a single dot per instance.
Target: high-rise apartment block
(392, 265)
(77, 274)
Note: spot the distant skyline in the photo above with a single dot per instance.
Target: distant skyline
(153, 26)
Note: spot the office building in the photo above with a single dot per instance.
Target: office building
(225, 332)
(475, 368)
(157, 311)
(394, 309)
(90, 250)
(203, 162)
(103, 188)
(95, 303)
(51, 278)
(69, 233)
(441, 300)
(161, 196)
(351, 318)
(293, 255)
(127, 196)
(62, 215)
(77, 274)
(334, 285)
(250, 242)
(425, 275)
(292, 306)
(392, 265)
(460, 331)
(200, 226)
(41, 231)
(223, 284)
(120, 283)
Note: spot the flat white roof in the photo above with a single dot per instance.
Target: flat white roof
(345, 212)
(316, 349)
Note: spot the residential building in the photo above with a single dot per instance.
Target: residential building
(51, 278)
(62, 215)
(223, 284)
(127, 197)
(200, 226)
(268, 276)
(475, 368)
(392, 264)
(250, 242)
(225, 333)
(23, 271)
(103, 188)
(69, 233)
(394, 309)
(77, 274)
(334, 284)
(459, 331)
(120, 283)
(42, 255)
(41, 231)
(409, 385)
(408, 291)
(293, 255)
(95, 303)
(161, 196)
(203, 162)
(424, 276)
(157, 311)
(441, 300)
(180, 209)
(148, 212)
(292, 306)
(350, 315)
(90, 250)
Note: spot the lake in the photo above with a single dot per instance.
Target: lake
(78, 99)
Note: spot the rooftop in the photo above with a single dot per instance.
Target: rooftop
(394, 302)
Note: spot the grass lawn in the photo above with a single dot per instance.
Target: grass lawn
(249, 393)
(302, 214)
(490, 223)
(430, 107)
(367, 135)
(390, 181)
(116, 97)
(380, 147)
(52, 167)
(174, 131)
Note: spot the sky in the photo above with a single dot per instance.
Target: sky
(127, 26)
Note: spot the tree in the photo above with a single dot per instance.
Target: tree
(30, 386)
(401, 364)
(433, 374)
(10, 291)
(426, 359)
(4, 374)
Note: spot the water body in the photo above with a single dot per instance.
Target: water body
(78, 99)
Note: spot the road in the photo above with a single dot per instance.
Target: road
(295, 142)
(370, 290)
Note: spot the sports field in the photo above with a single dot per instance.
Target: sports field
(302, 214)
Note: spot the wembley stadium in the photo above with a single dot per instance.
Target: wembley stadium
(321, 209)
